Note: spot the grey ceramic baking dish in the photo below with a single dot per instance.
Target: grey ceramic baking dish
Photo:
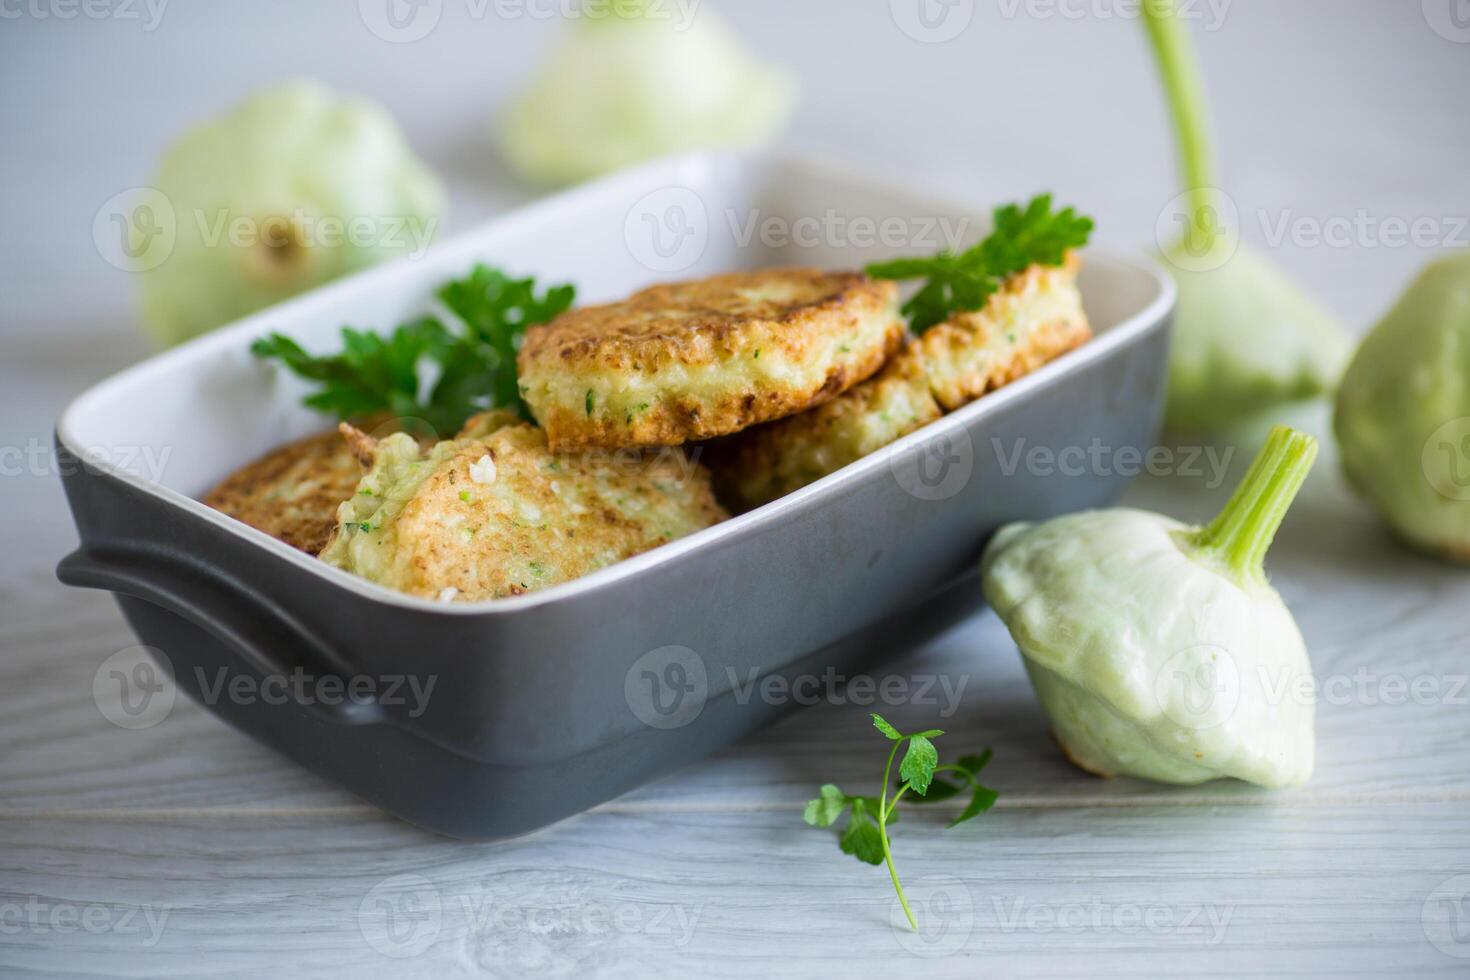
(545, 704)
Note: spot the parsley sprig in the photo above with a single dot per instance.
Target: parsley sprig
(1022, 237)
(866, 834)
(471, 355)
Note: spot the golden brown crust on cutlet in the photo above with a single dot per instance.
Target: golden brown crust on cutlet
(498, 514)
(770, 461)
(292, 493)
(1034, 318)
(694, 360)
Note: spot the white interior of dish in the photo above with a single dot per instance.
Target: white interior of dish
(184, 419)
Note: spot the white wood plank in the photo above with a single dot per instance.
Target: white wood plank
(1083, 892)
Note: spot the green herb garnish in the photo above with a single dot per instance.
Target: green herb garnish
(495, 310)
(473, 361)
(866, 834)
(1023, 237)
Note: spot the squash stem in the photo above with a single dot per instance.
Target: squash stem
(1241, 534)
(1184, 86)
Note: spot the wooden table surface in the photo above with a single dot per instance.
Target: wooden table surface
(185, 849)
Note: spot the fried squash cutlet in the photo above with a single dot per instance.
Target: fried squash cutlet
(495, 513)
(292, 493)
(771, 461)
(1035, 317)
(694, 360)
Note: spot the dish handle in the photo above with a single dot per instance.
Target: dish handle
(251, 625)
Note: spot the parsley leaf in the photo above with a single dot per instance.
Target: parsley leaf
(862, 838)
(887, 729)
(473, 365)
(982, 797)
(825, 809)
(866, 835)
(918, 764)
(496, 310)
(1022, 237)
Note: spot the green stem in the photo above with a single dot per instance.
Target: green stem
(1184, 85)
(1241, 534)
(883, 836)
(958, 769)
(888, 810)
